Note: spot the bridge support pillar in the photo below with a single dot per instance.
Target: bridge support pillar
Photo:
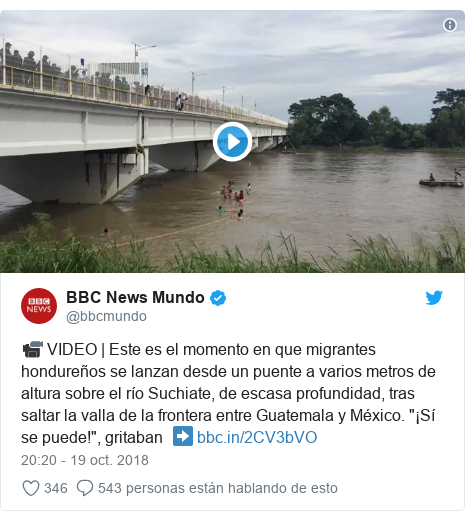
(274, 143)
(263, 144)
(193, 156)
(75, 177)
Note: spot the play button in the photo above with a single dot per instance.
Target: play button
(232, 141)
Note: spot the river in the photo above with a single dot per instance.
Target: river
(320, 197)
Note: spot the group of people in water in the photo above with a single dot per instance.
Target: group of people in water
(457, 174)
(227, 193)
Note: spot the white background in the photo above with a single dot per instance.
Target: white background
(392, 466)
(239, 316)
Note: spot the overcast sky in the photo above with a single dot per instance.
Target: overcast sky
(273, 57)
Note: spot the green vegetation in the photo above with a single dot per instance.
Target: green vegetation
(40, 249)
(334, 120)
(381, 255)
(286, 260)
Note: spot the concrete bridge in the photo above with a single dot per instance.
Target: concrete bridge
(77, 142)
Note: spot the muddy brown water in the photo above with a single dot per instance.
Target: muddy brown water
(320, 197)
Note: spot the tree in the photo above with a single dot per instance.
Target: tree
(325, 120)
(333, 120)
(449, 98)
(381, 124)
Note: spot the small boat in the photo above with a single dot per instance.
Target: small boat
(448, 183)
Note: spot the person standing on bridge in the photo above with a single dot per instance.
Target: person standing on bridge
(125, 87)
(8, 61)
(88, 89)
(30, 65)
(118, 83)
(46, 70)
(105, 81)
(148, 90)
(7, 52)
(58, 84)
(17, 64)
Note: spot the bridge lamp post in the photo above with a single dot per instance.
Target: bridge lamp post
(138, 48)
(224, 90)
(242, 102)
(194, 75)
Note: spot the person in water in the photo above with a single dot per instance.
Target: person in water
(241, 197)
(457, 174)
(236, 196)
(239, 215)
(221, 210)
(249, 188)
(106, 233)
(431, 177)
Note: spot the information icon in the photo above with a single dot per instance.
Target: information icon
(449, 25)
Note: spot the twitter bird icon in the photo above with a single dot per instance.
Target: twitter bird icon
(433, 298)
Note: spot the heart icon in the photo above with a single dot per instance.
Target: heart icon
(31, 487)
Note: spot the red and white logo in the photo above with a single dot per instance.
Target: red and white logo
(39, 306)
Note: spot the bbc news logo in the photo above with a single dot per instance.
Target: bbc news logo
(39, 306)
(38, 301)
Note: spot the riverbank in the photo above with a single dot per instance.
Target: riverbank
(355, 147)
(42, 249)
(375, 148)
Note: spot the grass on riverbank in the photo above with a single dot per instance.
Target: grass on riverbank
(285, 260)
(39, 248)
(381, 255)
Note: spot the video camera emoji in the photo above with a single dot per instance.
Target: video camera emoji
(32, 350)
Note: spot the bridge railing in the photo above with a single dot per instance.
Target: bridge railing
(106, 90)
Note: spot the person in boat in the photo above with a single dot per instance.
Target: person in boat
(431, 177)
(457, 174)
